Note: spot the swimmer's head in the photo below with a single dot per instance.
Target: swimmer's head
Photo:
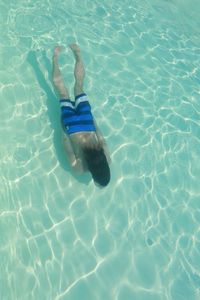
(97, 165)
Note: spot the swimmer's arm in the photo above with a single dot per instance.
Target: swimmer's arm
(102, 142)
(75, 163)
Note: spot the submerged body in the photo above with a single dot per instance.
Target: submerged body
(80, 130)
(82, 139)
(74, 145)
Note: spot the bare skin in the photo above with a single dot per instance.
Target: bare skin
(74, 143)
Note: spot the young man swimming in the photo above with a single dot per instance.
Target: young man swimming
(83, 141)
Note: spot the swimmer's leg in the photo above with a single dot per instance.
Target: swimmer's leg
(57, 77)
(79, 71)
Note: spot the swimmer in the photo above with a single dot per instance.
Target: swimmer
(83, 142)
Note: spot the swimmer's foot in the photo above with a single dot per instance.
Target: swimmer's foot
(57, 51)
(76, 50)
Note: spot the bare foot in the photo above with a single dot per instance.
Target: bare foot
(57, 50)
(75, 49)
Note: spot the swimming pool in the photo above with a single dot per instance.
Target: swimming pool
(60, 236)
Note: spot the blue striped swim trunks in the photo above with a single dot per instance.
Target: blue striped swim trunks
(76, 116)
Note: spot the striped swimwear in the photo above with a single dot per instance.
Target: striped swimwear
(76, 116)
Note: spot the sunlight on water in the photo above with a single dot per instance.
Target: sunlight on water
(60, 236)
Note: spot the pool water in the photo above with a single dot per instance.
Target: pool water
(61, 237)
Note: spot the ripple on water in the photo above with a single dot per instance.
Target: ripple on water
(104, 243)
(22, 154)
(145, 72)
(129, 293)
(33, 24)
(146, 270)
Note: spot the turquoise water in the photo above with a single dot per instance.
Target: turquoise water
(60, 236)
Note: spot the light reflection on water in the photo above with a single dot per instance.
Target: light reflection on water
(62, 236)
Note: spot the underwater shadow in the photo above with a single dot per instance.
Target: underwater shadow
(53, 111)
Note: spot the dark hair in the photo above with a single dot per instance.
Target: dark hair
(97, 165)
